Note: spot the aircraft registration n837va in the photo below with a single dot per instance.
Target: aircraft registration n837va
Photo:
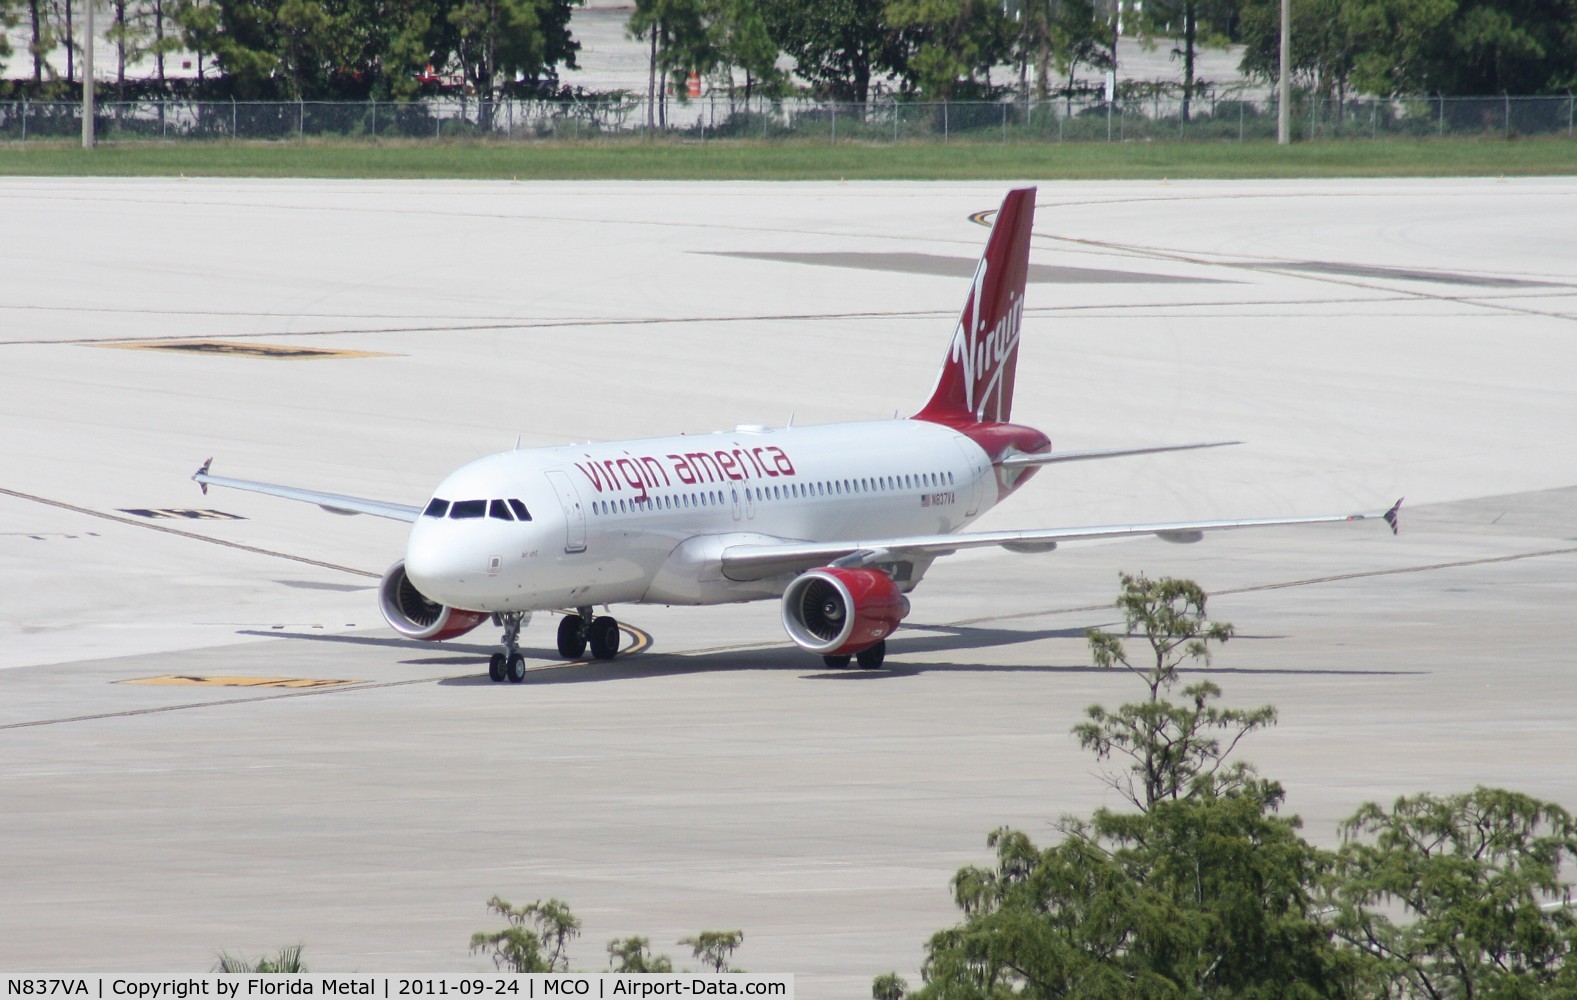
(839, 521)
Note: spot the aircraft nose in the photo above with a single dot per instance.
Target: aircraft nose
(437, 559)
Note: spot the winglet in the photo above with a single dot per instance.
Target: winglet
(203, 472)
(1393, 515)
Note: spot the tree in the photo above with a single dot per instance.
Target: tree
(509, 45)
(1477, 877)
(1323, 49)
(198, 25)
(680, 42)
(1076, 35)
(1168, 747)
(889, 986)
(8, 20)
(837, 45)
(1206, 897)
(535, 939)
(125, 32)
(1194, 24)
(1463, 47)
(283, 961)
(741, 40)
(715, 948)
(634, 954)
(950, 43)
(40, 39)
(384, 45)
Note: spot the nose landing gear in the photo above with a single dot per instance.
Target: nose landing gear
(509, 665)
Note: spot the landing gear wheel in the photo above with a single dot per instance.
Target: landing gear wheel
(603, 637)
(515, 668)
(837, 662)
(572, 637)
(871, 659)
(495, 668)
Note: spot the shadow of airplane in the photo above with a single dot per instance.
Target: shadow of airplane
(924, 639)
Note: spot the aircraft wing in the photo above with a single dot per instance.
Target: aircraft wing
(336, 503)
(1023, 459)
(758, 561)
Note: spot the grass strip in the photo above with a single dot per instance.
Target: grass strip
(667, 159)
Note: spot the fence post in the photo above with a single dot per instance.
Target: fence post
(895, 120)
(24, 120)
(1374, 119)
(301, 118)
(947, 129)
(233, 133)
(1571, 105)
(834, 123)
(1442, 99)
(1240, 122)
(1004, 123)
(1507, 96)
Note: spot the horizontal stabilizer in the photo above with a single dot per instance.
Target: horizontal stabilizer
(1023, 460)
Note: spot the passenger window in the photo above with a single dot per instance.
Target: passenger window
(466, 509)
(436, 508)
(500, 510)
(520, 509)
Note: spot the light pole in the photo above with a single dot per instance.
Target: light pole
(1284, 99)
(87, 79)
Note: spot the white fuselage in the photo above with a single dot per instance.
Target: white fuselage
(647, 520)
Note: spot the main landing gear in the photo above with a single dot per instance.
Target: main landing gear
(870, 658)
(508, 664)
(581, 631)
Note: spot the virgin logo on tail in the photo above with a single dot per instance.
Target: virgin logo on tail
(976, 382)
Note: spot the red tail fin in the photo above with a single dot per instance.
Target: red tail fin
(976, 383)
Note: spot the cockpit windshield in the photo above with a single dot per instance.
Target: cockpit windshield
(462, 510)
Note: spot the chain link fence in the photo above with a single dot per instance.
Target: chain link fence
(1069, 119)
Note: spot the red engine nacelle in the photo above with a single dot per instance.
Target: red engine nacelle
(410, 613)
(836, 612)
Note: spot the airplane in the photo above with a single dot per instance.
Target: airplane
(839, 521)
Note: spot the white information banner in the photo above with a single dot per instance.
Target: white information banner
(505, 986)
